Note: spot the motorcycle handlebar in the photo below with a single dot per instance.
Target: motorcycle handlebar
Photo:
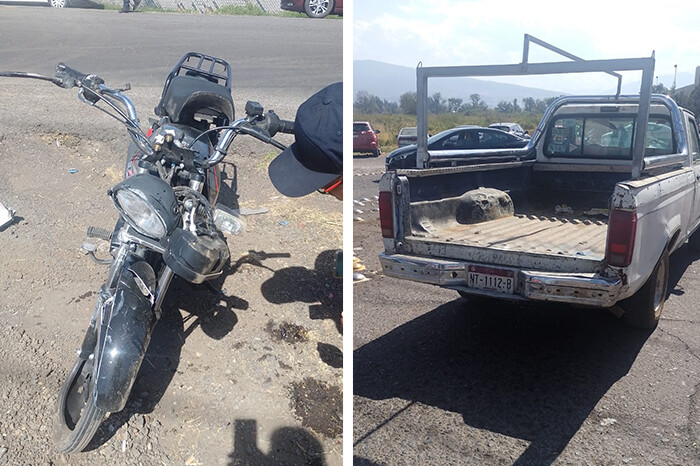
(286, 126)
(273, 124)
(64, 71)
(71, 77)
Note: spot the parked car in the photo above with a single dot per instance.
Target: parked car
(364, 139)
(314, 8)
(407, 136)
(52, 3)
(512, 128)
(454, 141)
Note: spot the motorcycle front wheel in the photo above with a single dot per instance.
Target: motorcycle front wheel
(78, 417)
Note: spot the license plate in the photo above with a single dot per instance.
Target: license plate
(491, 279)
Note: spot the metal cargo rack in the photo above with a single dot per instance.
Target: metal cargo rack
(578, 65)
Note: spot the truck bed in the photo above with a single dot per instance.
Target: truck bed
(582, 237)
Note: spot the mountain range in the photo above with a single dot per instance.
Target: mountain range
(388, 82)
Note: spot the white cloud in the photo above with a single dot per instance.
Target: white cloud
(454, 32)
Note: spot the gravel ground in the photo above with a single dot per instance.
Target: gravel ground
(253, 376)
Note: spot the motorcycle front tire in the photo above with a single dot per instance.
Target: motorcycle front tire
(78, 417)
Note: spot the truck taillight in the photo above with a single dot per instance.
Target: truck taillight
(621, 232)
(386, 214)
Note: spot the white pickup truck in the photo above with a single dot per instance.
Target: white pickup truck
(587, 213)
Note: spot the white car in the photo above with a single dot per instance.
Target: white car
(512, 128)
(52, 3)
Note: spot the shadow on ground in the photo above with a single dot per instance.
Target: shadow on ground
(318, 287)
(289, 445)
(529, 372)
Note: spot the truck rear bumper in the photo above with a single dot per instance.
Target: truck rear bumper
(582, 288)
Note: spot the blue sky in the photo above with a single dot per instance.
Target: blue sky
(479, 32)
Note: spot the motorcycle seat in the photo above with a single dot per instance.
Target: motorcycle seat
(187, 96)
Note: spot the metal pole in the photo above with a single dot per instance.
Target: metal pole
(642, 118)
(422, 117)
(526, 48)
(529, 38)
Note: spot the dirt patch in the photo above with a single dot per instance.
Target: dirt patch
(289, 333)
(318, 406)
(68, 140)
(82, 296)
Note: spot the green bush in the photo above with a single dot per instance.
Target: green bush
(246, 10)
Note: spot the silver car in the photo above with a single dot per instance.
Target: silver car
(52, 3)
(512, 128)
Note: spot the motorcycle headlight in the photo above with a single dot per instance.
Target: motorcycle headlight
(148, 204)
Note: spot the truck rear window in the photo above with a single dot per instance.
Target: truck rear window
(606, 137)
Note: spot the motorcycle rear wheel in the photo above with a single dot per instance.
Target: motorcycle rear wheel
(78, 417)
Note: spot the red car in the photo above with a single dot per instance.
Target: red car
(364, 139)
(314, 8)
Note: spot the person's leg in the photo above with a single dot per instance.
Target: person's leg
(125, 7)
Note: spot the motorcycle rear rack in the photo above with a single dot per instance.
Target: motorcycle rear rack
(214, 69)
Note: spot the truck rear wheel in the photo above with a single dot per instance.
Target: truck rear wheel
(643, 309)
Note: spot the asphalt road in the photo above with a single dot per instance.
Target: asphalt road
(442, 380)
(264, 52)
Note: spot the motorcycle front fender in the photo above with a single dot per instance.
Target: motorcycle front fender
(125, 333)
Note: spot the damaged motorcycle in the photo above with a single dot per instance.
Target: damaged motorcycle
(167, 206)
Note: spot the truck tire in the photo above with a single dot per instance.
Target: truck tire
(643, 309)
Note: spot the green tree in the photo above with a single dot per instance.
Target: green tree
(436, 104)
(660, 89)
(504, 106)
(454, 104)
(693, 101)
(477, 103)
(408, 103)
(366, 102)
(516, 107)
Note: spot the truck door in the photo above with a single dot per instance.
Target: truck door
(694, 149)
